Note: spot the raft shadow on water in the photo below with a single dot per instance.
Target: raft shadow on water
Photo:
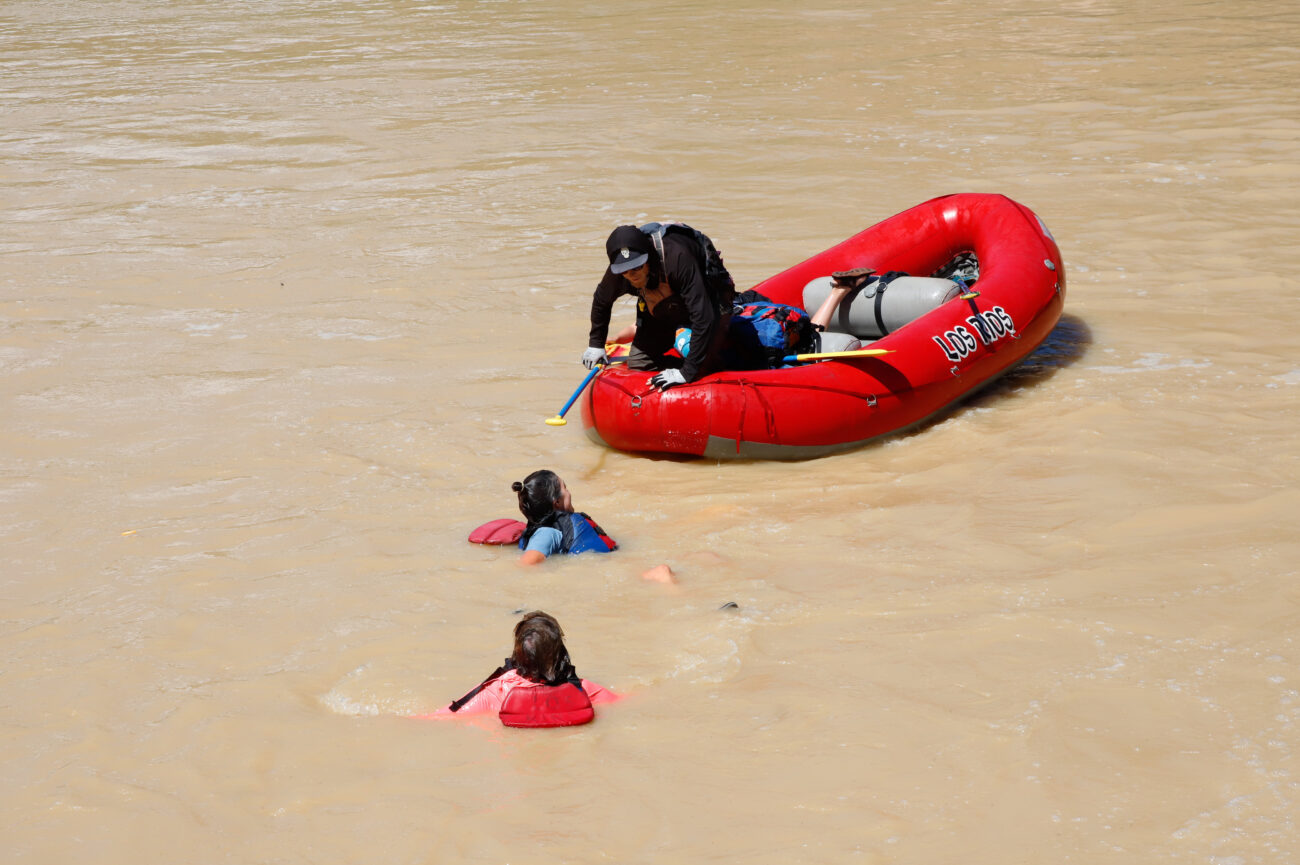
(1067, 343)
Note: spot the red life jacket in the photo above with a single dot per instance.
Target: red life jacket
(564, 705)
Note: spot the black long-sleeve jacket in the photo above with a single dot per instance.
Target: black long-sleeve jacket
(697, 309)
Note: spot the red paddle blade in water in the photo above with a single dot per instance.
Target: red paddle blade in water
(497, 533)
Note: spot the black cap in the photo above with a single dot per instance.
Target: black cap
(628, 248)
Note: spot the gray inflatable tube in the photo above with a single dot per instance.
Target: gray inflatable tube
(872, 312)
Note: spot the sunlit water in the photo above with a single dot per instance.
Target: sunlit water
(289, 287)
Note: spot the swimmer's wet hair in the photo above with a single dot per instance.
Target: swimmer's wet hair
(540, 654)
(537, 496)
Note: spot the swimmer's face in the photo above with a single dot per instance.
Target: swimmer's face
(565, 501)
(637, 276)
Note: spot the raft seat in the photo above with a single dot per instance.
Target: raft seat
(870, 312)
(831, 340)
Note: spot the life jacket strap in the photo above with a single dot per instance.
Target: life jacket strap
(500, 671)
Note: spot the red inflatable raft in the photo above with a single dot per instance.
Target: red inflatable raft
(935, 360)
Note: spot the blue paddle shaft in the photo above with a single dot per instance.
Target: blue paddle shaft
(586, 381)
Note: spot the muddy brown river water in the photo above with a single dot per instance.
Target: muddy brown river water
(287, 289)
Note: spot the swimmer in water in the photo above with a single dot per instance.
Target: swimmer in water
(537, 686)
(553, 526)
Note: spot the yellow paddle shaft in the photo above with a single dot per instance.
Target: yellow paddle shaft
(862, 352)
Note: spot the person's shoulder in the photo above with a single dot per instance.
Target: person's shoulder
(682, 246)
(681, 236)
(546, 540)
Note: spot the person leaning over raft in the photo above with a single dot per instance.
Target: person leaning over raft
(537, 685)
(679, 281)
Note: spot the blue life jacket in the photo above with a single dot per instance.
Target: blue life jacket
(579, 533)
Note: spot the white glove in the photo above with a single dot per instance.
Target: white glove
(668, 378)
(593, 356)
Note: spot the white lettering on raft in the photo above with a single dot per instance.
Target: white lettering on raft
(989, 326)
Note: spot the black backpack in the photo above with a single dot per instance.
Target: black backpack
(716, 278)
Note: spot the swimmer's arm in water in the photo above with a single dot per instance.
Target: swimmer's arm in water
(657, 574)
(546, 541)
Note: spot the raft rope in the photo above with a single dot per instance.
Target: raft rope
(769, 414)
(870, 398)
